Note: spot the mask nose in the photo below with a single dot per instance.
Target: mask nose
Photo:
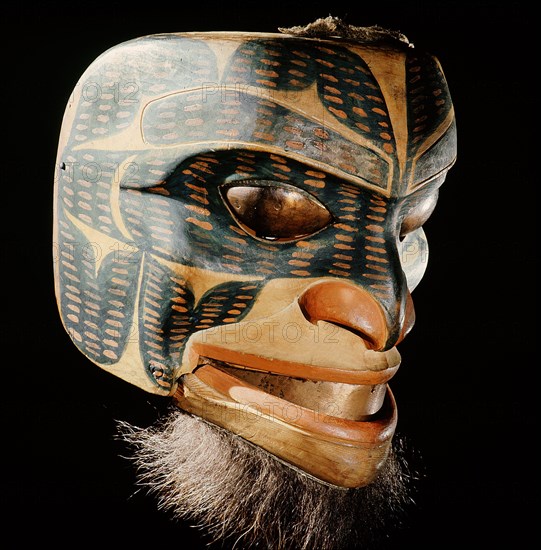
(354, 308)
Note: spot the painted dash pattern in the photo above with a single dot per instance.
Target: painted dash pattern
(161, 123)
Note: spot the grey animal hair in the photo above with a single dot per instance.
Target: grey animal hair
(234, 491)
(334, 27)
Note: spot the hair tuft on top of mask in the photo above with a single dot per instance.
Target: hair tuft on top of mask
(334, 27)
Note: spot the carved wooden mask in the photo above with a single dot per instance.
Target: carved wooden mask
(238, 225)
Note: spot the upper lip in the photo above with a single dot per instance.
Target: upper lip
(345, 372)
(319, 351)
(292, 367)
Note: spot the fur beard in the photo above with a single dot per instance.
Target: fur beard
(240, 494)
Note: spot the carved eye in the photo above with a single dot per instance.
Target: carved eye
(275, 211)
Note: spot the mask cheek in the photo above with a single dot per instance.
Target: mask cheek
(413, 253)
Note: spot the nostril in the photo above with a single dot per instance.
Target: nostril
(349, 307)
(368, 339)
(370, 343)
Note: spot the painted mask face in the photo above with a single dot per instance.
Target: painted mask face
(238, 225)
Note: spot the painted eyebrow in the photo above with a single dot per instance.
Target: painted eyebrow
(293, 171)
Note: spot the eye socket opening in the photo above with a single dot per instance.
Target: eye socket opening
(273, 211)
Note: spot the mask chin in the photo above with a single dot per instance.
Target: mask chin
(339, 451)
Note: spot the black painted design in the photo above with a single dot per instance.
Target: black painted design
(159, 216)
(97, 295)
(428, 99)
(161, 203)
(168, 315)
(345, 84)
(257, 121)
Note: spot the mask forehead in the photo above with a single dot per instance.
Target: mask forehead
(172, 117)
(376, 116)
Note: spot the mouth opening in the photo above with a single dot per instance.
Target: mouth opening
(358, 402)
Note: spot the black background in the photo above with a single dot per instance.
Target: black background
(468, 366)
